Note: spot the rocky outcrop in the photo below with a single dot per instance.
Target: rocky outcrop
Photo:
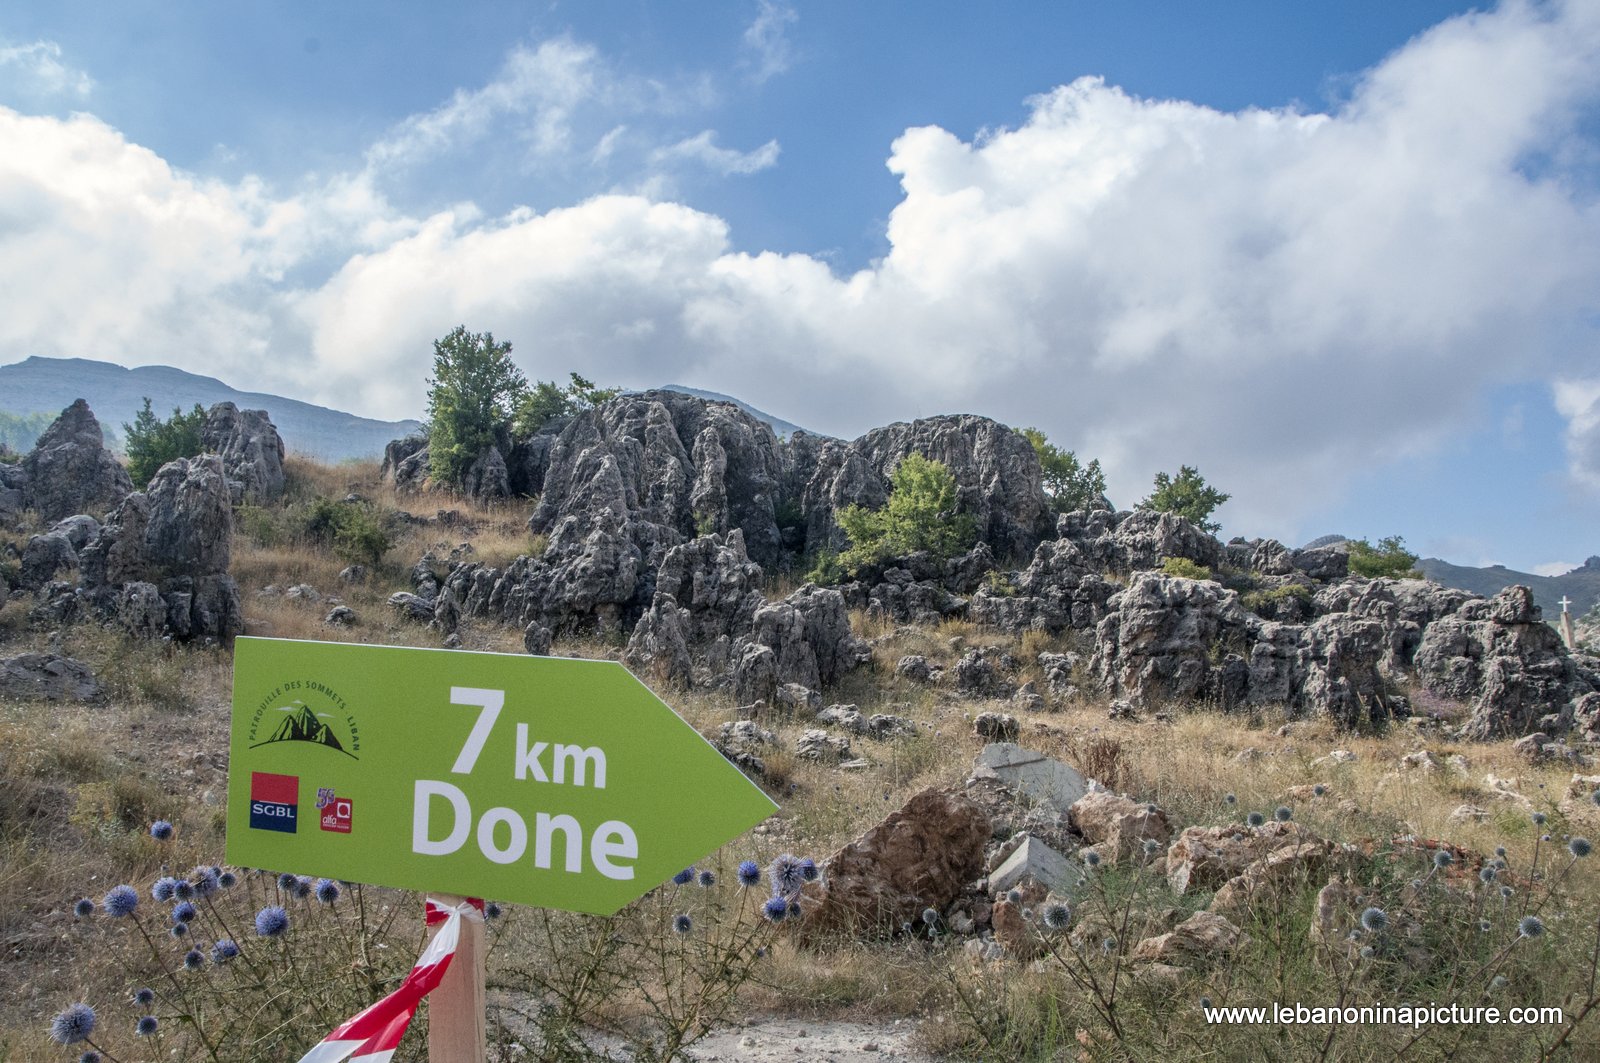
(707, 590)
(1156, 642)
(405, 463)
(995, 468)
(251, 450)
(47, 677)
(160, 562)
(1500, 657)
(921, 856)
(69, 470)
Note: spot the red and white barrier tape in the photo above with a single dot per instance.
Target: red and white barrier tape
(373, 1035)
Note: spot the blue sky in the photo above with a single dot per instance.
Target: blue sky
(1341, 256)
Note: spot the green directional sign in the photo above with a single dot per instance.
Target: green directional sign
(547, 781)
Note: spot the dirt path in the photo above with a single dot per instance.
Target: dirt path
(790, 1040)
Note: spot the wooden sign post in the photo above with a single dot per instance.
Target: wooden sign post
(456, 1010)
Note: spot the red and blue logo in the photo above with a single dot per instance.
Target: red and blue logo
(274, 801)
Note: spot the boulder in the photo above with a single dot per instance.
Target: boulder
(1118, 826)
(1204, 938)
(1207, 857)
(44, 559)
(1270, 879)
(921, 856)
(995, 727)
(47, 677)
(1031, 774)
(1034, 861)
(817, 744)
(1155, 643)
(251, 450)
(69, 470)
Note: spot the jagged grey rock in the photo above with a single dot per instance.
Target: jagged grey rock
(44, 558)
(536, 639)
(69, 470)
(251, 450)
(48, 677)
(487, 479)
(1035, 860)
(817, 744)
(1032, 774)
(412, 606)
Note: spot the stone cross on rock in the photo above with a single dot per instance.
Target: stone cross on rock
(1565, 601)
(1567, 635)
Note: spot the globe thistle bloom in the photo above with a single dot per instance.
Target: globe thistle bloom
(144, 996)
(1485, 926)
(682, 924)
(1151, 847)
(1108, 946)
(327, 890)
(1442, 859)
(684, 877)
(1498, 982)
(1594, 798)
(72, 1025)
(227, 880)
(223, 951)
(1539, 819)
(179, 930)
(1057, 916)
(206, 880)
(707, 879)
(286, 882)
(1230, 799)
(84, 908)
(120, 901)
(749, 873)
(809, 870)
(1205, 1003)
(182, 889)
(161, 830)
(1531, 926)
(1375, 920)
(1318, 790)
(1091, 858)
(1500, 852)
(1580, 848)
(1256, 819)
(1506, 891)
(1283, 814)
(302, 888)
(775, 909)
(1487, 875)
(1367, 952)
(184, 912)
(929, 916)
(193, 960)
(90, 1056)
(786, 875)
(148, 1024)
(271, 921)
(794, 911)
(491, 910)
(162, 889)
(1014, 896)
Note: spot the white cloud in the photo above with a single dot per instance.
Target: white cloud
(766, 40)
(1282, 299)
(702, 149)
(36, 71)
(1554, 568)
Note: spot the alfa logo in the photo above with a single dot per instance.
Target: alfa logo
(318, 716)
(274, 801)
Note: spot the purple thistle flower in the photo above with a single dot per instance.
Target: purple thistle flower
(302, 888)
(1580, 848)
(184, 912)
(1375, 920)
(182, 889)
(120, 901)
(227, 880)
(161, 830)
(144, 996)
(684, 877)
(223, 951)
(90, 1056)
(1531, 926)
(786, 875)
(193, 960)
(163, 888)
(206, 880)
(72, 1025)
(707, 879)
(286, 882)
(749, 873)
(809, 870)
(271, 921)
(148, 1024)
(775, 909)
(179, 930)
(327, 890)
(84, 908)
(491, 910)
(682, 924)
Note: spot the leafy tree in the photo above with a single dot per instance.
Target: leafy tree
(920, 515)
(546, 401)
(1069, 484)
(474, 389)
(1188, 495)
(1389, 558)
(152, 442)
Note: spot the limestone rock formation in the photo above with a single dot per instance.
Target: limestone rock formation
(48, 677)
(69, 470)
(251, 450)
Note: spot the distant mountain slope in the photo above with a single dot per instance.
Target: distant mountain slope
(783, 428)
(1581, 585)
(115, 394)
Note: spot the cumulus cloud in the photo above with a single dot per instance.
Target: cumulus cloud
(36, 71)
(1280, 298)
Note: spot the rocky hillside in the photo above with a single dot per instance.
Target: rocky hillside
(663, 512)
(116, 393)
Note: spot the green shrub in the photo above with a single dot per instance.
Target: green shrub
(152, 442)
(999, 584)
(921, 515)
(1389, 559)
(547, 400)
(1182, 566)
(1069, 484)
(1188, 495)
(1258, 600)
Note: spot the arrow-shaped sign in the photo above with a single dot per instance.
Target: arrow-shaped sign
(547, 781)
